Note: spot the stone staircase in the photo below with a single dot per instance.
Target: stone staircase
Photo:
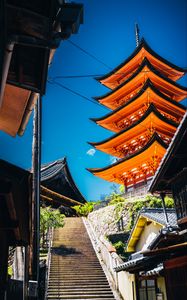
(75, 271)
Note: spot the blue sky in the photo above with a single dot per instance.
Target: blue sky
(107, 34)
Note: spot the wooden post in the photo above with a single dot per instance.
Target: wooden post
(36, 166)
(3, 264)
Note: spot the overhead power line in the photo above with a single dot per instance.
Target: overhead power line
(89, 54)
(75, 92)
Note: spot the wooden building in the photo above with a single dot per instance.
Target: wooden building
(15, 216)
(149, 235)
(29, 34)
(171, 178)
(145, 112)
(58, 187)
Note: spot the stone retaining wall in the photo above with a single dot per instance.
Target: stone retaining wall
(109, 220)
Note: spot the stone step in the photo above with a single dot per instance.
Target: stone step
(79, 297)
(75, 271)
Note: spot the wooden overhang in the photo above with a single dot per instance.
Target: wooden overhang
(131, 64)
(174, 161)
(134, 137)
(136, 167)
(167, 250)
(13, 109)
(133, 85)
(51, 197)
(33, 31)
(133, 109)
(15, 203)
(174, 254)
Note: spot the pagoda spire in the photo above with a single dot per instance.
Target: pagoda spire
(137, 33)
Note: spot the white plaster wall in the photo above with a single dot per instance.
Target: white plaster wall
(149, 232)
(125, 280)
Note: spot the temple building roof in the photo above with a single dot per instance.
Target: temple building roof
(135, 136)
(57, 177)
(131, 86)
(121, 117)
(131, 64)
(135, 167)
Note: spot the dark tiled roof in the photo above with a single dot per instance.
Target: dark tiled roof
(157, 215)
(56, 176)
(49, 170)
(142, 44)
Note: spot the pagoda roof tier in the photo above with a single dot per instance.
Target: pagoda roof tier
(138, 134)
(132, 110)
(133, 85)
(131, 64)
(136, 167)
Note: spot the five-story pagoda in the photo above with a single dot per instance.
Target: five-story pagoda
(145, 112)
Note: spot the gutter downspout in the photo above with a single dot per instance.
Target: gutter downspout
(6, 64)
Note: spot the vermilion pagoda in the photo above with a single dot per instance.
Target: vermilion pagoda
(146, 110)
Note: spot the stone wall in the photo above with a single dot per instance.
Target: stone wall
(109, 220)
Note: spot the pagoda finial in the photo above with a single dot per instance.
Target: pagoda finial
(137, 34)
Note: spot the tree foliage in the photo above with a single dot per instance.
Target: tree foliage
(84, 210)
(150, 201)
(49, 218)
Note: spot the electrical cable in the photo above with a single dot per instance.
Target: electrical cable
(89, 54)
(74, 92)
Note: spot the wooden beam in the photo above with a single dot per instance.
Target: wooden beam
(24, 21)
(58, 197)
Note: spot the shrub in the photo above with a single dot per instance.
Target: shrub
(84, 210)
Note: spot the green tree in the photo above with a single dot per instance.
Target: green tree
(49, 218)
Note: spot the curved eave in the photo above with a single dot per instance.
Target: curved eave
(73, 184)
(61, 166)
(151, 109)
(155, 139)
(144, 45)
(147, 64)
(148, 84)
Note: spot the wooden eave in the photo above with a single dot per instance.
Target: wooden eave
(49, 195)
(13, 108)
(133, 108)
(133, 137)
(131, 64)
(133, 85)
(137, 166)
